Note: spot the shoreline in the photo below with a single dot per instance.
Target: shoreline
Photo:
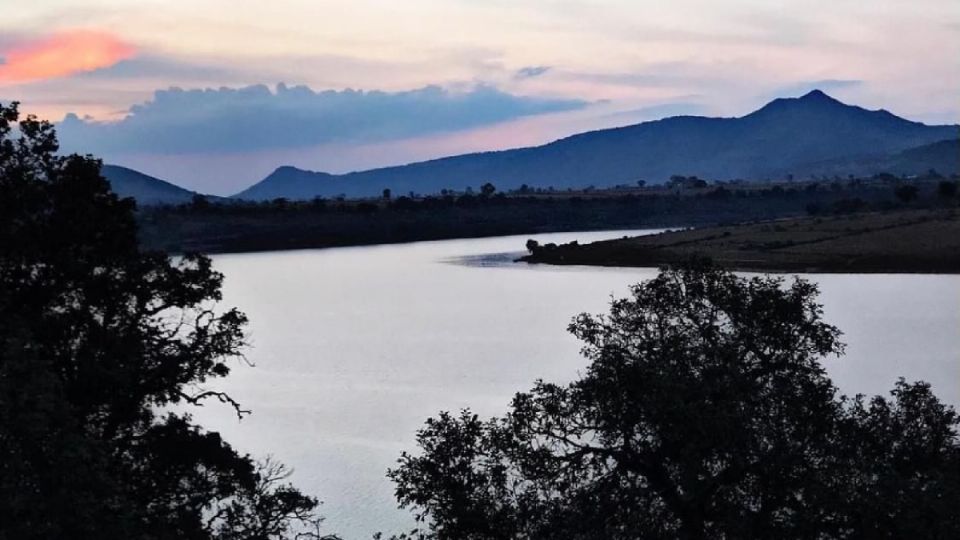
(347, 245)
(902, 242)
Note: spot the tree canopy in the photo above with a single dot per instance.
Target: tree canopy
(704, 412)
(99, 343)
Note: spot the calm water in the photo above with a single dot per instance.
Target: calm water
(355, 347)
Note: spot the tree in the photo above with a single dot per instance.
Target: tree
(906, 193)
(386, 194)
(199, 202)
(704, 413)
(487, 190)
(98, 341)
(947, 189)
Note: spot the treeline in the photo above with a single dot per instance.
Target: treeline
(284, 224)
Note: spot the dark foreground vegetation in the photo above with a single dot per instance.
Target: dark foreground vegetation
(705, 411)
(686, 201)
(894, 241)
(100, 342)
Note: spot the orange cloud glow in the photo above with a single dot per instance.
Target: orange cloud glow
(62, 54)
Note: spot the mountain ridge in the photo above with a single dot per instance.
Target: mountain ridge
(785, 136)
(145, 189)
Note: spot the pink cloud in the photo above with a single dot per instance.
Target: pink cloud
(62, 54)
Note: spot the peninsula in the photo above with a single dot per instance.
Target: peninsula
(902, 241)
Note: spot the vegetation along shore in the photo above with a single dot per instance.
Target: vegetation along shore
(896, 241)
(233, 226)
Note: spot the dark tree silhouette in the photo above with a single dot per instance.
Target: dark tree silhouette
(906, 193)
(98, 340)
(487, 190)
(947, 189)
(704, 413)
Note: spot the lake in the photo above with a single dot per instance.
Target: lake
(355, 347)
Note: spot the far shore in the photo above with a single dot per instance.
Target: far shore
(218, 227)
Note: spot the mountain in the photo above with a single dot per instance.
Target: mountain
(292, 183)
(786, 136)
(146, 189)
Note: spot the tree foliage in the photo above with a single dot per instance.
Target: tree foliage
(947, 189)
(906, 193)
(97, 340)
(705, 412)
(487, 189)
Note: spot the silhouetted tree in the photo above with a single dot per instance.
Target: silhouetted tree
(199, 202)
(98, 342)
(947, 189)
(386, 194)
(886, 177)
(906, 192)
(487, 189)
(318, 203)
(704, 413)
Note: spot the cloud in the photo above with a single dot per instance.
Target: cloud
(60, 55)
(530, 72)
(256, 118)
(150, 66)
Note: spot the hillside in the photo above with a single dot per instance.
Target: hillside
(942, 156)
(146, 189)
(797, 136)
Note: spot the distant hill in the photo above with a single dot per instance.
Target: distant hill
(797, 136)
(293, 183)
(942, 156)
(146, 189)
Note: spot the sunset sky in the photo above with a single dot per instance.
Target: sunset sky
(189, 90)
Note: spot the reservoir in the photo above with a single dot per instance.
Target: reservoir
(353, 348)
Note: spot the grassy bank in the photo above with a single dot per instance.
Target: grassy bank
(898, 241)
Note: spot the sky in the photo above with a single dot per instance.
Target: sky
(215, 94)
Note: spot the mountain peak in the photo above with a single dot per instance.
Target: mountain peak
(817, 95)
(814, 100)
(287, 170)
